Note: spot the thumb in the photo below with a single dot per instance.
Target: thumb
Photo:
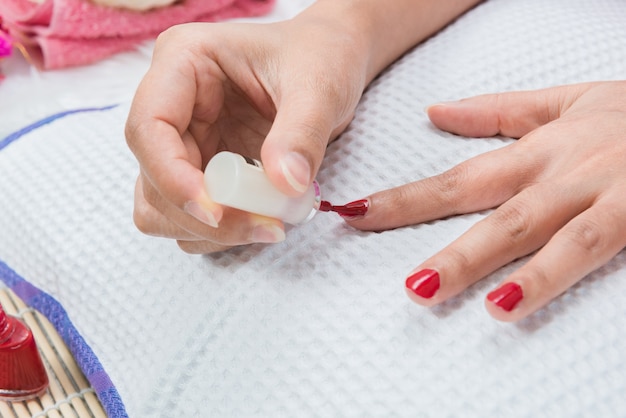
(295, 145)
(511, 114)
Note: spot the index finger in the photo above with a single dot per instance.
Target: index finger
(162, 110)
(467, 187)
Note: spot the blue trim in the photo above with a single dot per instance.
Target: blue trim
(18, 134)
(84, 355)
(54, 311)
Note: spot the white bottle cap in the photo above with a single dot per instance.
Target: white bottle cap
(238, 182)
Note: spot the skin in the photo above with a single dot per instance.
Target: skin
(570, 150)
(241, 87)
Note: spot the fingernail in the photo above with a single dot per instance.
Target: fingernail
(455, 103)
(267, 233)
(424, 283)
(197, 211)
(506, 296)
(296, 170)
(427, 108)
(353, 210)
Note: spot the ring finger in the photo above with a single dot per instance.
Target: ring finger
(587, 242)
(521, 225)
(236, 227)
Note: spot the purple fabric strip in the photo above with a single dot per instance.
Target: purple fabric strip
(54, 311)
(26, 291)
(100, 381)
(84, 355)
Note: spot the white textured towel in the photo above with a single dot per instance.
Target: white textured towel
(319, 325)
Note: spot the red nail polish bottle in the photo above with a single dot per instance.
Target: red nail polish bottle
(22, 373)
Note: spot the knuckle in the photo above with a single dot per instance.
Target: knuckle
(136, 130)
(131, 129)
(448, 187)
(149, 196)
(540, 279)
(401, 198)
(313, 133)
(142, 220)
(459, 260)
(310, 140)
(324, 87)
(514, 220)
(585, 234)
(340, 97)
(169, 35)
(219, 236)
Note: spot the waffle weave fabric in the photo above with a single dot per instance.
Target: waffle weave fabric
(319, 325)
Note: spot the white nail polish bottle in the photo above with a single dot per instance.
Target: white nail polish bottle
(240, 182)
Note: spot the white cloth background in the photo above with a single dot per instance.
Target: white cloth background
(319, 325)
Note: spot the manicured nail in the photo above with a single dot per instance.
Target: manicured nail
(267, 233)
(297, 171)
(353, 210)
(424, 283)
(506, 296)
(197, 211)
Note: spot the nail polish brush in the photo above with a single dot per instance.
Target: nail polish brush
(240, 182)
(357, 208)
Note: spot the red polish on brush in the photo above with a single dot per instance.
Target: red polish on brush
(22, 373)
(240, 182)
(349, 210)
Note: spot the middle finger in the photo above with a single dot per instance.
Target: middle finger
(518, 227)
(236, 227)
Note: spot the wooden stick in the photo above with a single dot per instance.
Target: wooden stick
(20, 410)
(6, 410)
(66, 395)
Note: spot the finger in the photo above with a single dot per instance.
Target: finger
(295, 146)
(511, 114)
(587, 242)
(152, 222)
(518, 227)
(201, 247)
(158, 117)
(237, 227)
(147, 216)
(479, 183)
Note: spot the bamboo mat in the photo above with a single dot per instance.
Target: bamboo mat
(69, 393)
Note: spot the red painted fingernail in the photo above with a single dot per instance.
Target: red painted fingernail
(424, 283)
(354, 209)
(506, 296)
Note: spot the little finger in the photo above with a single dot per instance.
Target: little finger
(584, 244)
